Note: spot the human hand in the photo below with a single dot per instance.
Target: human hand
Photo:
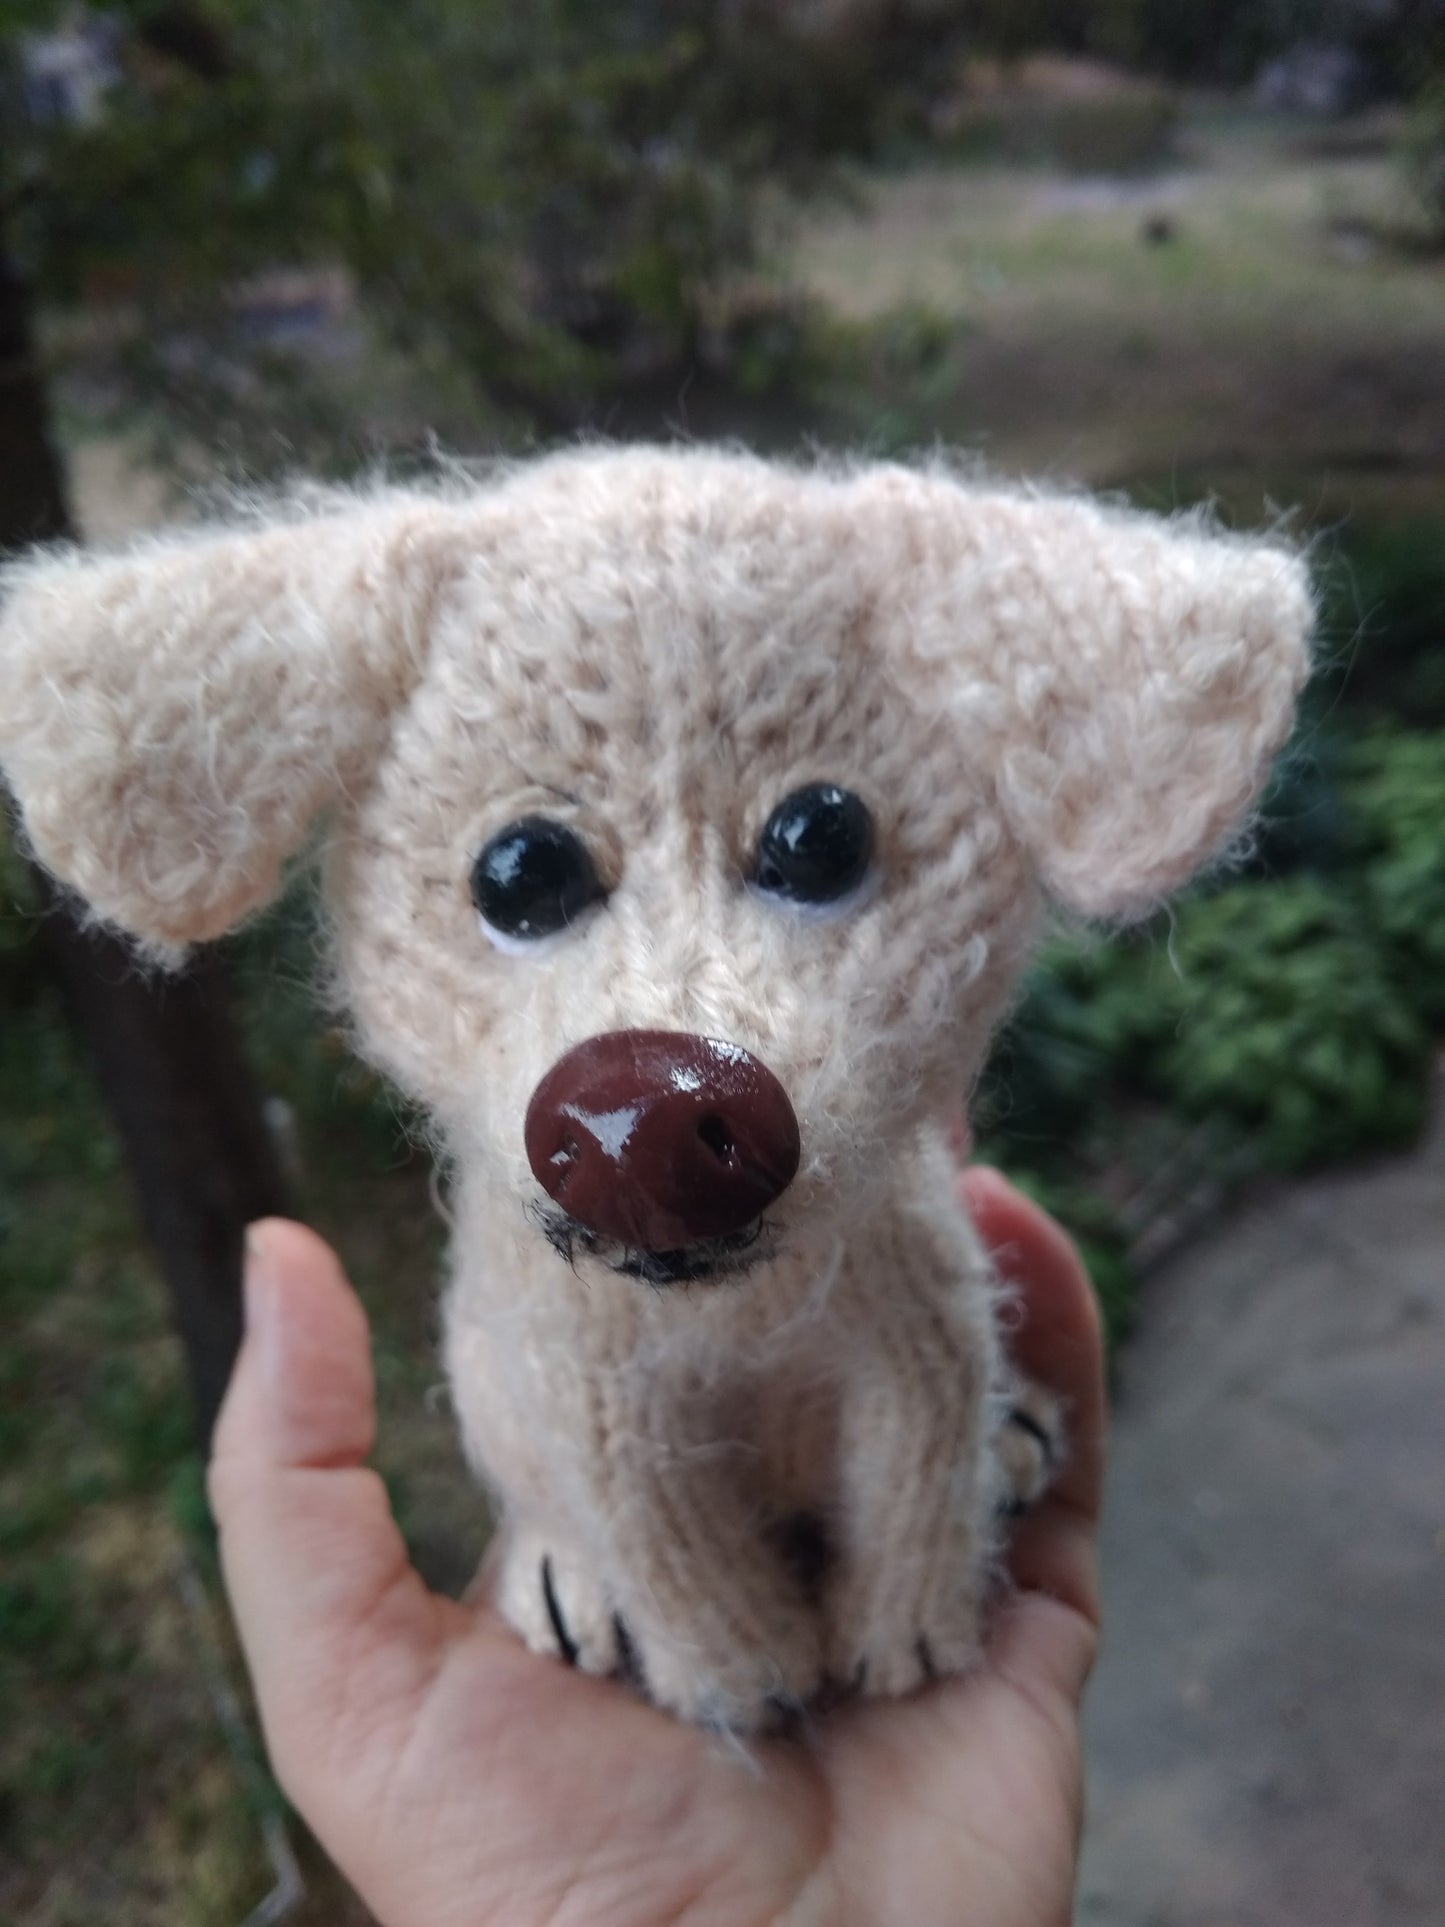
(458, 1780)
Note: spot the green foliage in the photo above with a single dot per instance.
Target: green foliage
(1124, 129)
(113, 1769)
(1422, 153)
(1203, 41)
(1383, 622)
(1291, 1025)
(535, 207)
(44, 1621)
(1219, 40)
(1291, 1013)
(50, 1119)
(19, 907)
(1395, 788)
(886, 381)
(1295, 1012)
(1055, 1099)
(1086, 1015)
(337, 1106)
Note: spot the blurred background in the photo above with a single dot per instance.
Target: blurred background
(1188, 250)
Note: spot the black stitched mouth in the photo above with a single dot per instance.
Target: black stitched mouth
(710, 1259)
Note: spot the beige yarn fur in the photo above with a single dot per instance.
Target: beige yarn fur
(1035, 695)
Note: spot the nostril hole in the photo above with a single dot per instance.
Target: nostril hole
(718, 1139)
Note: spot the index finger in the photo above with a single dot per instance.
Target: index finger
(1058, 1342)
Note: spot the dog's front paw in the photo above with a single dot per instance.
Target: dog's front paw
(889, 1640)
(695, 1670)
(743, 1689)
(559, 1606)
(884, 1654)
(1031, 1447)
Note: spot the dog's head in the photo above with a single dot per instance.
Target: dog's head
(771, 766)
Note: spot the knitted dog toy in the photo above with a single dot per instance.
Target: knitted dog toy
(690, 818)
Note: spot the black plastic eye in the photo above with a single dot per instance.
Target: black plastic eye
(816, 845)
(534, 878)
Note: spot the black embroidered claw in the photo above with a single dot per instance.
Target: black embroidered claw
(925, 1658)
(629, 1661)
(1028, 1423)
(567, 1645)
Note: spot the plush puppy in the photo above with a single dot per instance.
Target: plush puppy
(689, 818)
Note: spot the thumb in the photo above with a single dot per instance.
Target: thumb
(1049, 1631)
(302, 1391)
(317, 1572)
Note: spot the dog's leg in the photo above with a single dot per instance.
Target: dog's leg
(913, 1541)
(721, 1629)
(914, 1522)
(924, 1482)
(682, 1588)
(556, 1600)
(642, 1542)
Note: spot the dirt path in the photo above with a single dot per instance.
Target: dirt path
(1267, 1728)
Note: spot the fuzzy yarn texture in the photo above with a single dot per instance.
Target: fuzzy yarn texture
(1038, 697)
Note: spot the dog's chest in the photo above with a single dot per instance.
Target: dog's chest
(779, 1367)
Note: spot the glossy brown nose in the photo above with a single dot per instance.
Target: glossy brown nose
(658, 1138)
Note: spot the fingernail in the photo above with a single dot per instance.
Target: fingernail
(261, 1300)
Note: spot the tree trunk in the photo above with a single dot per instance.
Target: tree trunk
(200, 1157)
(32, 494)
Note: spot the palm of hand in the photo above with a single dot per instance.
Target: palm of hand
(457, 1779)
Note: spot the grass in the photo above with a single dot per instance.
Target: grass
(1276, 329)
(119, 1796)
(105, 1733)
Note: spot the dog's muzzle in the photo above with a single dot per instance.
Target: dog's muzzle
(659, 1139)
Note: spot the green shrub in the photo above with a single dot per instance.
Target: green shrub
(1053, 1100)
(341, 1109)
(1291, 1024)
(1383, 624)
(19, 910)
(1085, 1024)
(1290, 1016)
(1422, 154)
(1395, 791)
(562, 224)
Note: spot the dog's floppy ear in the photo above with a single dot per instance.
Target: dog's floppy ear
(171, 718)
(1128, 678)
